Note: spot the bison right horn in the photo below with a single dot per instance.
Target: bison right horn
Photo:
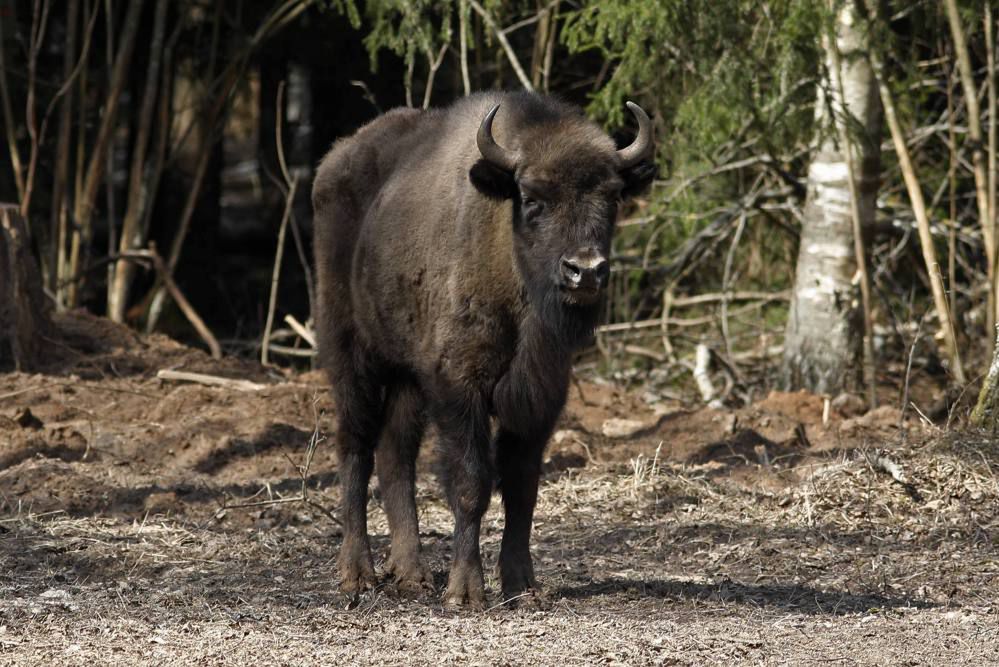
(490, 150)
(642, 145)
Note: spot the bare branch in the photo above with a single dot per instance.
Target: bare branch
(463, 44)
(919, 209)
(185, 306)
(504, 42)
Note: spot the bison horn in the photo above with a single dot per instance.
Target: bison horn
(642, 145)
(490, 150)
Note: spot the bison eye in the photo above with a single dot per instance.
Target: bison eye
(530, 205)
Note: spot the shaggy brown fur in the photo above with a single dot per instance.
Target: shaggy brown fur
(443, 295)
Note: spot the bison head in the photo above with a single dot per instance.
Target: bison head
(565, 179)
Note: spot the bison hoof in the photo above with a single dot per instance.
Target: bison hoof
(357, 574)
(465, 589)
(517, 576)
(411, 577)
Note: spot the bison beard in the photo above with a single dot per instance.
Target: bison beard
(460, 256)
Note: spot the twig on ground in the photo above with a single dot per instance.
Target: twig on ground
(508, 601)
(303, 471)
(211, 380)
(19, 392)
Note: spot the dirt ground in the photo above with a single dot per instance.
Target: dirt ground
(153, 521)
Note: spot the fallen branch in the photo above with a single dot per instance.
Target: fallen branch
(300, 329)
(886, 465)
(882, 463)
(733, 296)
(292, 351)
(754, 355)
(695, 321)
(12, 394)
(185, 306)
(211, 380)
(645, 352)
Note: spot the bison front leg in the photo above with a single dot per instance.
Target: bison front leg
(468, 480)
(518, 464)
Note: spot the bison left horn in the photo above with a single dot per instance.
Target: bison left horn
(490, 150)
(642, 145)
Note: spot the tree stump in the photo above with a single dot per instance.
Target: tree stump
(25, 322)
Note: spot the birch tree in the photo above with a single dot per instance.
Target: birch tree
(822, 347)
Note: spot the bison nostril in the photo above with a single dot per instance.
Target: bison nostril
(602, 270)
(571, 271)
(588, 271)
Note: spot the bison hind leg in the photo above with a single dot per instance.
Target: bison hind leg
(360, 405)
(395, 462)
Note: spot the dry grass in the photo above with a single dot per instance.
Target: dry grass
(650, 562)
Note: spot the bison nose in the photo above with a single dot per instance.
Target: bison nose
(585, 272)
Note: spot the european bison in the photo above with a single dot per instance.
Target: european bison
(461, 255)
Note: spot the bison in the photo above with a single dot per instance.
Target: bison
(461, 255)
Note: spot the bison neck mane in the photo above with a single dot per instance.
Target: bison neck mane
(572, 325)
(531, 393)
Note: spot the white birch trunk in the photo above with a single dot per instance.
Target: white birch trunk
(986, 412)
(822, 348)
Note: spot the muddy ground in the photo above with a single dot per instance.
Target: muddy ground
(153, 521)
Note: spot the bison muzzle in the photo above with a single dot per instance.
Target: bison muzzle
(461, 255)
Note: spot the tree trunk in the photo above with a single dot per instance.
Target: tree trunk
(132, 236)
(24, 313)
(86, 202)
(822, 348)
(986, 412)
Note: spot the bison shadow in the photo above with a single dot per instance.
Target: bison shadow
(792, 598)
(274, 436)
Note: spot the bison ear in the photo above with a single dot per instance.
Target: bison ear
(637, 178)
(492, 181)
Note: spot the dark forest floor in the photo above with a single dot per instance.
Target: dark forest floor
(665, 534)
